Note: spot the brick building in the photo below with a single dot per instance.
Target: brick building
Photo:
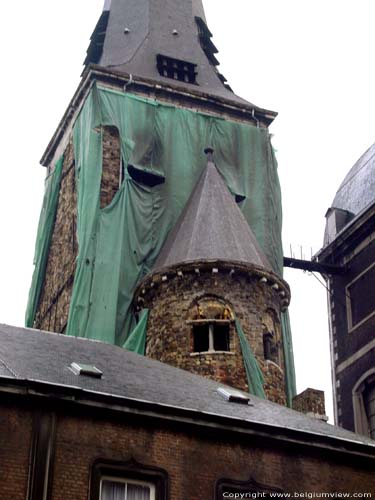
(160, 234)
(80, 418)
(349, 244)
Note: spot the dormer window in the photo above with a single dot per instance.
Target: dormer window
(176, 69)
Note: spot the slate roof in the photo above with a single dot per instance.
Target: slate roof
(150, 26)
(211, 227)
(32, 356)
(357, 191)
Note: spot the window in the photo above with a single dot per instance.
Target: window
(369, 401)
(271, 335)
(228, 488)
(360, 299)
(364, 404)
(267, 345)
(115, 489)
(211, 320)
(211, 336)
(131, 480)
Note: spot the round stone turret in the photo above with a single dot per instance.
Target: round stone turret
(212, 282)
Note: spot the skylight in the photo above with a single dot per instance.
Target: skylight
(86, 369)
(233, 396)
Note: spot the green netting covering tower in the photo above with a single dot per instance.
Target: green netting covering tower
(122, 166)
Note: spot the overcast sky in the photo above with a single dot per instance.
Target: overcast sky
(309, 60)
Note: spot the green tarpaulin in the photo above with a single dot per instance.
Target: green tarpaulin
(254, 375)
(43, 239)
(136, 342)
(119, 244)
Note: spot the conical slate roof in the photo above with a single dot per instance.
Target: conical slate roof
(132, 34)
(211, 227)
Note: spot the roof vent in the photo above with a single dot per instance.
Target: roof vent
(233, 396)
(182, 71)
(84, 369)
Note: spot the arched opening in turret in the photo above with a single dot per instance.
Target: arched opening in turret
(271, 334)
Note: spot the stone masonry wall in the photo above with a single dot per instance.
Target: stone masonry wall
(111, 165)
(170, 337)
(53, 308)
(310, 401)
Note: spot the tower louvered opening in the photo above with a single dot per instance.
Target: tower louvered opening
(176, 69)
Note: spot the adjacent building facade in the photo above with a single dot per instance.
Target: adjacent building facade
(349, 243)
(86, 420)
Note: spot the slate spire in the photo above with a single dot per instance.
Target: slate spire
(211, 227)
(167, 41)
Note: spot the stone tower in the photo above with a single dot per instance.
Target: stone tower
(121, 169)
(212, 290)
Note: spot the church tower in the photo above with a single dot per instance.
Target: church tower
(143, 241)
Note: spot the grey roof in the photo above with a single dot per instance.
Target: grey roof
(357, 191)
(211, 227)
(33, 356)
(150, 26)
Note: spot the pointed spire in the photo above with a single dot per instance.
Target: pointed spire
(211, 227)
(165, 41)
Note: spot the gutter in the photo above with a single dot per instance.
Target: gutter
(186, 416)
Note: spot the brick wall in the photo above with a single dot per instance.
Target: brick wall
(15, 442)
(172, 305)
(194, 460)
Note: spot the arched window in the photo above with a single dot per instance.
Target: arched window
(271, 336)
(364, 404)
(211, 325)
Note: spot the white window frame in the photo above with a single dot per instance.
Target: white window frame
(126, 480)
(349, 316)
(361, 423)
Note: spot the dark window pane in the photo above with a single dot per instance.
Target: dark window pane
(201, 337)
(221, 337)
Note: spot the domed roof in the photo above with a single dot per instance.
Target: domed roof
(358, 188)
(356, 192)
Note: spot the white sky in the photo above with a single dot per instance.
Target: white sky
(310, 60)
